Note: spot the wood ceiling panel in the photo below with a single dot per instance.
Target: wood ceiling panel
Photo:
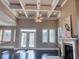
(32, 5)
(15, 6)
(45, 8)
(30, 1)
(13, 1)
(46, 1)
(45, 5)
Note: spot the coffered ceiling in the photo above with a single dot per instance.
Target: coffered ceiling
(32, 9)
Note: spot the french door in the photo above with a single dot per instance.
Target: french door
(28, 39)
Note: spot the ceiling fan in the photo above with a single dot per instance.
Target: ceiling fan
(39, 18)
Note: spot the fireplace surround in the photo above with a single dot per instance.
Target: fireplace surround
(69, 42)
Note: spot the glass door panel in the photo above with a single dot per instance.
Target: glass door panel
(23, 39)
(31, 39)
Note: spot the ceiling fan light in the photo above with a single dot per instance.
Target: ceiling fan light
(38, 20)
(54, 13)
(20, 12)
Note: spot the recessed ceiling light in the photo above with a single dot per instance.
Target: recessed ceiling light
(54, 13)
(40, 15)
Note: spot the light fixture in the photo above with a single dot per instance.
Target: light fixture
(39, 18)
(54, 13)
(20, 12)
(38, 21)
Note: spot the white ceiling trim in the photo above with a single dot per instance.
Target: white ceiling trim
(5, 20)
(64, 3)
(54, 4)
(23, 8)
(6, 4)
(36, 10)
(33, 18)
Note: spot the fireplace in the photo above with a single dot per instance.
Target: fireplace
(69, 48)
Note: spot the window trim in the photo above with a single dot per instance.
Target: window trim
(49, 35)
(2, 39)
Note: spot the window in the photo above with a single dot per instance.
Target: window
(31, 54)
(45, 36)
(23, 55)
(20, 54)
(7, 35)
(23, 39)
(44, 56)
(48, 35)
(5, 55)
(51, 35)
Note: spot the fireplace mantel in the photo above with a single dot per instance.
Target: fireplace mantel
(69, 41)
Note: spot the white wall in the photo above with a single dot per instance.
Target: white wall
(5, 20)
